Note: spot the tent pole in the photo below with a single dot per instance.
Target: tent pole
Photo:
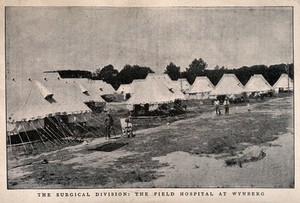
(66, 127)
(54, 134)
(57, 128)
(62, 129)
(40, 136)
(100, 124)
(97, 120)
(71, 133)
(27, 137)
(61, 123)
(49, 135)
(86, 130)
(62, 135)
(22, 142)
(94, 127)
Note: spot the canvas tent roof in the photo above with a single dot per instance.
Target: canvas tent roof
(201, 84)
(162, 77)
(30, 99)
(79, 89)
(103, 87)
(84, 90)
(182, 84)
(129, 88)
(125, 88)
(76, 89)
(284, 81)
(99, 85)
(166, 80)
(134, 84)
(152, 91)
(228, 85)
(257, 83)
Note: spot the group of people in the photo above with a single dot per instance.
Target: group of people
(226, 105)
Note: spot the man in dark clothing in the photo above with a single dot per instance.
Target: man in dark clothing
(226, 104)
(217, 107)
(109, 123)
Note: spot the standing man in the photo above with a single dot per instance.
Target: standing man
(217, 106)
(109, 123)
(128, 127)
(226, 104)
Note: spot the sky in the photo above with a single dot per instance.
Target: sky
(87, 38)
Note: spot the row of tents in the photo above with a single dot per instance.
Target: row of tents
(51, 105)
(50, 102)
(202, 87)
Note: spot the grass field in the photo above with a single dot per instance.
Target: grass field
(165, 149)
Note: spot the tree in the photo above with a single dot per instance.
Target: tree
(274, 72)
(173, 71)
(129, 73)
(196, 68)
(215, 75)
(74, 74)
(108, 74)
(217, 67)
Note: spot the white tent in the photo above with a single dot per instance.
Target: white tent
(201, 88)
(228, 85)
(257, 83)
(80, 89)
(103, 87)
(124, 89)
(129, 88)
(29, 101)
(284, 82)
(182, 84)
(166, 80)
(134, 84)
(152, 91)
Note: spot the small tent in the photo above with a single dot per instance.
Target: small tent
(166, 80)
(257, 83)
(229, 84)
(128, 89)
(284, 83)
(182, 84)
(201, 88)
(85, 91)
(152, 91)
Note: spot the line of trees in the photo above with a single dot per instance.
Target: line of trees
(112, 76)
